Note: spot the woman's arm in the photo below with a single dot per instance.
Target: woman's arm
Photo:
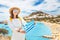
(23, 21)
(20, 30)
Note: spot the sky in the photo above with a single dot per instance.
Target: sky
(28, 6)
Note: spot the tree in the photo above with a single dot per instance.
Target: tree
(3, 31)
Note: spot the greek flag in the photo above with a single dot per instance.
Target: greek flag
(29, 26)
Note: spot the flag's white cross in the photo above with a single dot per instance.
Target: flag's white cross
(29, 26)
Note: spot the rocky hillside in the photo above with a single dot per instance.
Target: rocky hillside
(41, 16)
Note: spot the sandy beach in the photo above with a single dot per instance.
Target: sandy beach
(55, 28)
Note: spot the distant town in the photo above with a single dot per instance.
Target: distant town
(41, 16)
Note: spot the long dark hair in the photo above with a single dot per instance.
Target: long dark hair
(11, 12)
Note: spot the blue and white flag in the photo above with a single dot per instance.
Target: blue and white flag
(29, 26)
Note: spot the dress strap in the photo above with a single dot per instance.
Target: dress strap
(18, 18)
(10, 19)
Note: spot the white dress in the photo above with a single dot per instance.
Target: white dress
(15, 24)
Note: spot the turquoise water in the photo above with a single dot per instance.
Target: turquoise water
(36, 33)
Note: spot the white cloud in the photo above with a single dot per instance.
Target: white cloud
(27, 6)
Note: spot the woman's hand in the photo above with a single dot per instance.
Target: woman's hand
(19, 29)
(22, 31)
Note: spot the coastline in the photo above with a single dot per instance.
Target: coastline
(55, 28)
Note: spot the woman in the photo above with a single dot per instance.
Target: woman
(15, 23)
